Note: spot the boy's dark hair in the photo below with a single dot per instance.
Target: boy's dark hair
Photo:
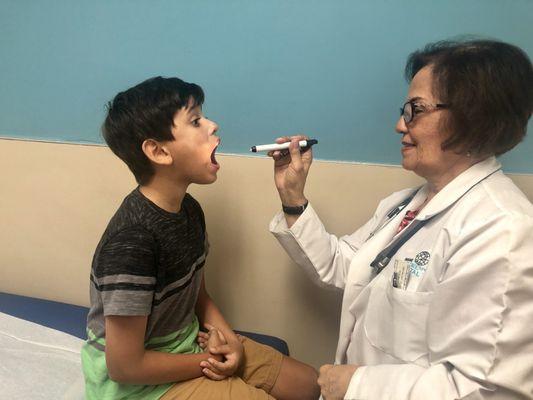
(146, 111)
(488, 87)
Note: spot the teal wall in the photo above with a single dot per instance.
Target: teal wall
(332, 69)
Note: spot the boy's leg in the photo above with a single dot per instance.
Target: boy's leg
(233, 388)
(296, 381)
(264, 371)
(283, 377)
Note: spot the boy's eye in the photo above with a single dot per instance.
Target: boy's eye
(196, 122)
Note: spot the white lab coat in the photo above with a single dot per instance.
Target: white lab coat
(463, 329)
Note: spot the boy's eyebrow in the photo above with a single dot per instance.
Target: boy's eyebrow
(193, 110)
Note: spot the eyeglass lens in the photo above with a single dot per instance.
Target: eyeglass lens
(407, 112)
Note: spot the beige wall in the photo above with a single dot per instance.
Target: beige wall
(57, 199)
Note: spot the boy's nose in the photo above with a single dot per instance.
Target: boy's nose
(215, 127)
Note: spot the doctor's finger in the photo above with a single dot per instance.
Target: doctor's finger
(324, 368)
(296, 155)
(280, 158)
(283, 139)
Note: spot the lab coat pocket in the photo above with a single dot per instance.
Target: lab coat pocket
(395, 321)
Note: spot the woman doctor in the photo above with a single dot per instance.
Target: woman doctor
(438, 284)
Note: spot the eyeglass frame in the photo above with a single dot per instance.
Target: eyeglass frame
(427, 108)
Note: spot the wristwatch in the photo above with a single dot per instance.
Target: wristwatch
(297, 210)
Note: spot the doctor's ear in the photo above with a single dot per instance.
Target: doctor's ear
(156, 152)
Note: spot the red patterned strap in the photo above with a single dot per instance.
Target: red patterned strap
(409, 216)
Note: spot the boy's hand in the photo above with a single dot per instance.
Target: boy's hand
(202, 339)
(226, 357)
(212, 339)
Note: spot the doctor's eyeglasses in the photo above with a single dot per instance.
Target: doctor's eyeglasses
(414, 107)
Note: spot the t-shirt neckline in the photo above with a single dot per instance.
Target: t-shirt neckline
(168, 214)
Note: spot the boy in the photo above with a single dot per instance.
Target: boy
(148, 294)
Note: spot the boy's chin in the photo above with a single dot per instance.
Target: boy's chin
(206, 180)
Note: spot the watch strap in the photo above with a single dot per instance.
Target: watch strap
(294, 210)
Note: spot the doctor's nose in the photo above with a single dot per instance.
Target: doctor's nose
(401, 126)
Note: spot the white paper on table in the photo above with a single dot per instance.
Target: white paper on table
(38, 363)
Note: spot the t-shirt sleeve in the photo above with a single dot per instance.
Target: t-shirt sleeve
(125, 272)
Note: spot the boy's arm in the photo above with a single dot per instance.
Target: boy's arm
(208, 313)
(129, 362)
(233, 351)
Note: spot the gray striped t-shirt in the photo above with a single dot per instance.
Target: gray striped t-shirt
(148, 263)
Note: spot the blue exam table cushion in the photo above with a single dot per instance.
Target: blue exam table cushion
(72, 319)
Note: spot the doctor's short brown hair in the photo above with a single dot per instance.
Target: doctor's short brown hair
(488, 88)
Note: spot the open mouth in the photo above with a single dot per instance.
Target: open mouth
(213, 158)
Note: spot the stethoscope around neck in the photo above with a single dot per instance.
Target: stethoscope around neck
(384, 256)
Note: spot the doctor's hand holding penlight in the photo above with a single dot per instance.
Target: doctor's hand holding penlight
(291, 167)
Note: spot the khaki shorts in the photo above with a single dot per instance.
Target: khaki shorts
(254, 379)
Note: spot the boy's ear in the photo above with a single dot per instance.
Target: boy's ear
(156, 152)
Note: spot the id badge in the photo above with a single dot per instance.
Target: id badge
(402, 273)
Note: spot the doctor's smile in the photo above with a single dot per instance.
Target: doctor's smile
(407, 146)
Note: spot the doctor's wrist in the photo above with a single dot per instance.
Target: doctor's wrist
(292, 200)
(294, 210)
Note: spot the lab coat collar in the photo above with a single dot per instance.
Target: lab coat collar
(458, 187)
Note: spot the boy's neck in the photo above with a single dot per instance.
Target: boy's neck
(165, 194)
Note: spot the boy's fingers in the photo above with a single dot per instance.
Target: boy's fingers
(210, 366)
(211, 375)
(222, 337)
(209, 327)
(220, 366)
(222, 349)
